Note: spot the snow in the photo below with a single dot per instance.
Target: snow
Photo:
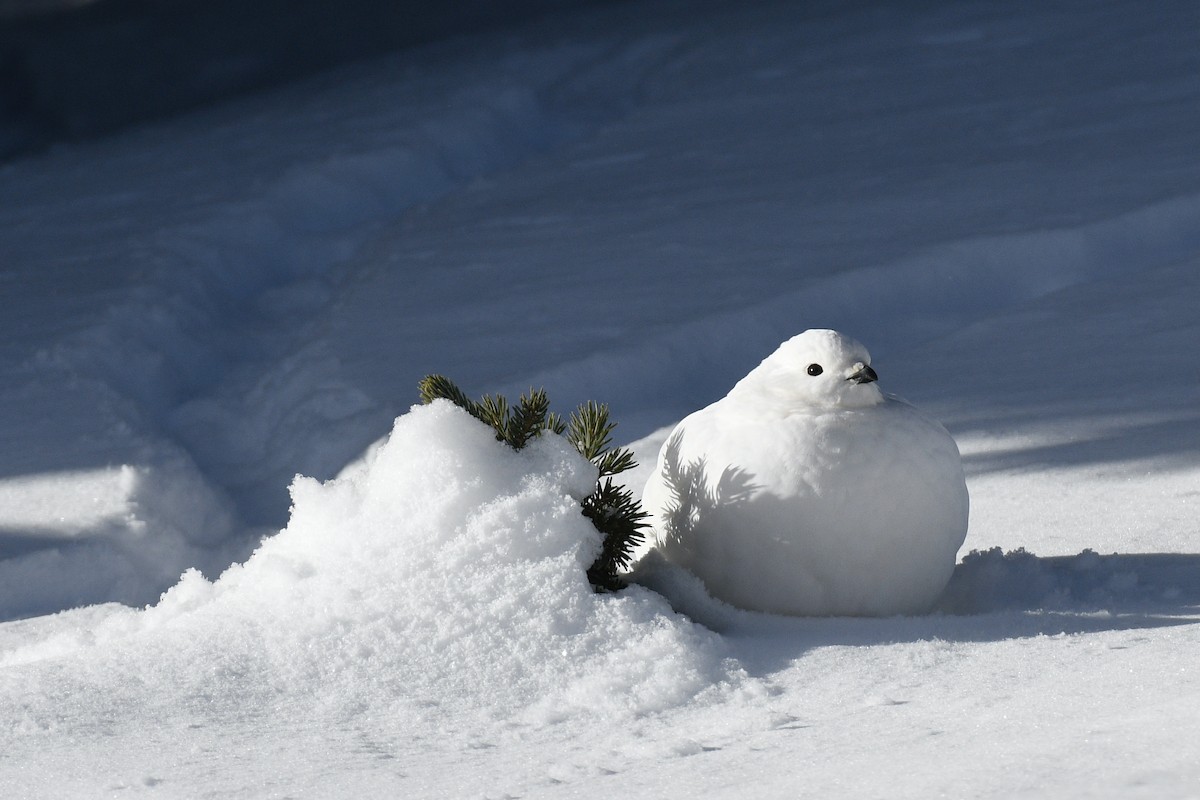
(632, 204)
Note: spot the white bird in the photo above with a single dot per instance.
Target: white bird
(807, 491)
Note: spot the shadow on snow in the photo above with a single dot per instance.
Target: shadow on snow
(992, 596)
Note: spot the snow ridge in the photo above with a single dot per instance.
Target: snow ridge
(895, 306)
(205, 370)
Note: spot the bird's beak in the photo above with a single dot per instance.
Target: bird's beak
(864, 374)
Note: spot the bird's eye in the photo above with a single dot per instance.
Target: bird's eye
(815, 370)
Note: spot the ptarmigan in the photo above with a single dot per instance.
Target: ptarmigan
(807, 491)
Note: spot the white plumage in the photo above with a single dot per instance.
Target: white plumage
(807, 491)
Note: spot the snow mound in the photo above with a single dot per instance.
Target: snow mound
(442, 578)
(992, 580)
(112, 533)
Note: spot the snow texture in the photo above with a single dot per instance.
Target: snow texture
(632, 204)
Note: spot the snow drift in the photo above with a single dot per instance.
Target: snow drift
(194, 313)
(445, 571)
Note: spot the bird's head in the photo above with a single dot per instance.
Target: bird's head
(816, 370)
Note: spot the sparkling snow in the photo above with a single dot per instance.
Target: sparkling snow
(632, 204)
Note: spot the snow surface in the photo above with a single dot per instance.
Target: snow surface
(633, 204)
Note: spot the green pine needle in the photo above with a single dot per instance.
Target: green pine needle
(615, 462)
(613, 510)
(528, 419)
(439, 387)
(555, 423)
(493, 409)
(589, 430)
(620, 518)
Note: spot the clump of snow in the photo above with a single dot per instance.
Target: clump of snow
(441, 579)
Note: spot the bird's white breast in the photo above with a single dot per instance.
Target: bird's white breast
(848, 511)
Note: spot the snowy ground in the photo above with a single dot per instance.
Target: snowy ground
(635, 205)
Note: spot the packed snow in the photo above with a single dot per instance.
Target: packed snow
(633, 204)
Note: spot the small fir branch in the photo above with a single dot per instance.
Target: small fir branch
(621, 520)
(589, 430)
(528, 419)
(555, 423)
(493, 409)
(613, 510)
(615, 461)
(439, 387)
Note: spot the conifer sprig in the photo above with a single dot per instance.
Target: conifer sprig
(589, 429)
(617, 515)
(612, 509)
(435, 387)
(590, 432)
(555, 423)
(615, 461)
(516, 426)
(528, 419)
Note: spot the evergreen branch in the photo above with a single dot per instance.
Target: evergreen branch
(612, 509)
(439, 387)
(589, 430)
(493, 409)
(615, 461)
(528, 419)
(614, 512)
(555, 423)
